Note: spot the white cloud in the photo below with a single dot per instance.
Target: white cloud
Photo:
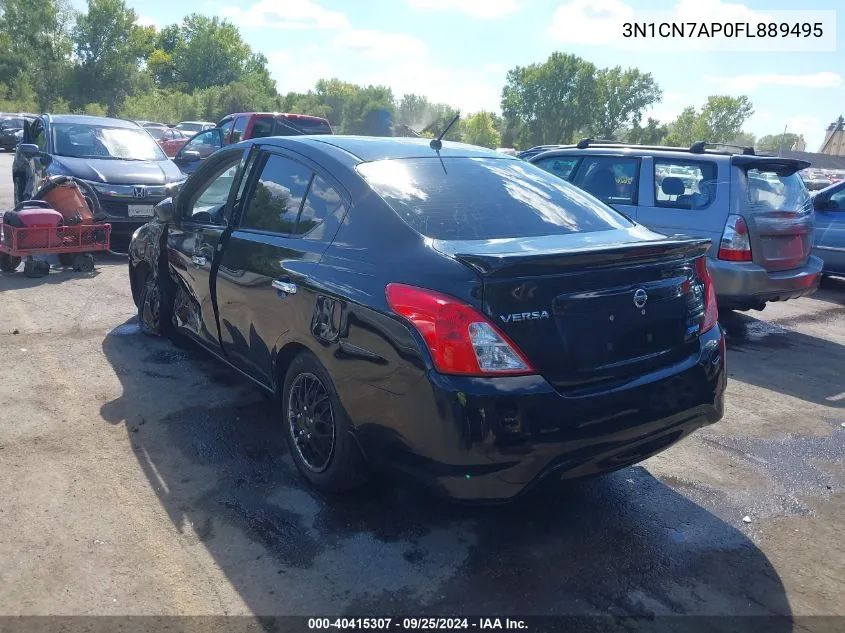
(145, 20)
(669, 108)
(590, 21)
(465, 89)
(300, 76)
(379, 45)
(750, 83)
(479, 9)
(292, 14)
(495, 68)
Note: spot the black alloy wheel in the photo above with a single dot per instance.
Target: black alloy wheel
(311, 421)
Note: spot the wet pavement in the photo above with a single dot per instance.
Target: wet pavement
(143, 479)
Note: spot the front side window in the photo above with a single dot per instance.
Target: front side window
(38, 135)
(275, 202)
(508, 198)
(206, 143)
(838, 199)
(81, 140)
(208, 204)
(611, 179)
(560, 166)
(684, 184)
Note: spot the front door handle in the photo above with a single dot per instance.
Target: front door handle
(285, 286)
(199, 260)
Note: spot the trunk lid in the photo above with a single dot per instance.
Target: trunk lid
(777, 209)
(585, 309)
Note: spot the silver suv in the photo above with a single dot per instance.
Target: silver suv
(754, 209)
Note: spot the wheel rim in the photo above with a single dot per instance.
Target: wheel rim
(150, 313)
(311, 421)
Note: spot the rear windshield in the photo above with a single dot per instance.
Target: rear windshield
(485, 198)
(769, 192)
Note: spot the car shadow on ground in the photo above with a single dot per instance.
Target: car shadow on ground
(772, 355)
(623, 544)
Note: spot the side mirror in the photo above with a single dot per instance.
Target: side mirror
(191, 156)
(164, 211)
(30, 150)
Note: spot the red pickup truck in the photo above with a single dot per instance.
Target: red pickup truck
(241, 126)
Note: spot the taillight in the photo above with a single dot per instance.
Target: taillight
(460, 339)
(735, 245)
(711, 310)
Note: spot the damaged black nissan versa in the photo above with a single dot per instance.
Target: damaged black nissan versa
(446, 310)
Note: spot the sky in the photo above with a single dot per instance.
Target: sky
(459, 51)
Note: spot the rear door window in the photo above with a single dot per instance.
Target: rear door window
(560, 166)
(611, 179)
(684, 184)
(261, 127)
(226, 125)
(766, 191)
(508, 198)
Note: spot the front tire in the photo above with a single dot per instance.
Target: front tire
(317, 429)
(153, 311)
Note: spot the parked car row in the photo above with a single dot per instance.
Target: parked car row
(11, 129)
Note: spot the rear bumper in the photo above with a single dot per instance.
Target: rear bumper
(745, 284)
(492, 439)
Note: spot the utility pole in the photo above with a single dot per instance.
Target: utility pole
(782, 138)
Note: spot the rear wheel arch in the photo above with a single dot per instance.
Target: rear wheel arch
(282, 363)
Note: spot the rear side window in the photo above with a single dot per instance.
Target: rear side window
(507, 198)
(560, 166)
(238, 130)
(766, 191)
(611, 179)
(226, 125)
(293, 126)
(684, 184)
(275, 202)
(262, 127)
(321, 202)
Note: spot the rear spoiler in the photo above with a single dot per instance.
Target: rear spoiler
(522, 263)
(781, 166)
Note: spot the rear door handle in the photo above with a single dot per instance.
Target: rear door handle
(199, 260)
(285, 286)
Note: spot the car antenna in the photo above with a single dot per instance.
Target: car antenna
(437, 143)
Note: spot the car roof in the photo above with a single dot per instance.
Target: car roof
(203, 122)
(293, 115)
(91, 120)
(371, 148)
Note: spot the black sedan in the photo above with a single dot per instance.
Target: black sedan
(118, 160)
(458, 314)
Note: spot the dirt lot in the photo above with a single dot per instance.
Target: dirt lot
(140, 479)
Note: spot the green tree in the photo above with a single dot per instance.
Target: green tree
(34, 40)
(722, 117)
(212, 52)
(549, 102)
(773, 142)
(653, 133)
(682, 130)
(109, 46)
(479, 129)
(622, 95)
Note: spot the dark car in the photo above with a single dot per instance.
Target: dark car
(118, 158)
(11, 129)
(243, 126)
(829, 243)
(458, 314)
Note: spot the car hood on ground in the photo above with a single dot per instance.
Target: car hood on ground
(111, 171)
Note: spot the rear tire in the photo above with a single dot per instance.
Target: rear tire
(8, 263)
(35, 269)
(83, 263)
(66, 259)
(317, 429)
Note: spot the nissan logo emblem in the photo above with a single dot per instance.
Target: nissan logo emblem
(140, 191)
(640, 298)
